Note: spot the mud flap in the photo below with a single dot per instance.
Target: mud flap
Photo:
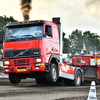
(89, 73)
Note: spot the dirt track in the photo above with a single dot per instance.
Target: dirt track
(29, 90)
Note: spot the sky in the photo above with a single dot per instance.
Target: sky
(83, 15)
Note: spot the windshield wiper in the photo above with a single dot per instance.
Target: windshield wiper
(14, 37)
(29, 36)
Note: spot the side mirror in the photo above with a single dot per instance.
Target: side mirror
(1, 36)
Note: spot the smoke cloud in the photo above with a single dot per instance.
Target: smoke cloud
(93, 7)
(26, 6)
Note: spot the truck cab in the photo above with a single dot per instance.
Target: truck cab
(30, 47)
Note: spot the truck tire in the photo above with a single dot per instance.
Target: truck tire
(77, 79)
(14, 78)
(51, 76)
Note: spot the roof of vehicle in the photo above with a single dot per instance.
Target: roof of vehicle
(28, 23)
(25, 23)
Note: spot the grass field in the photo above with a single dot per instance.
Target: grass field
(1, 73)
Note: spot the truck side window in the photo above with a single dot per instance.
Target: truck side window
(48, 31)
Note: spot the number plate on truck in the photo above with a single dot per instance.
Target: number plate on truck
(20, 70)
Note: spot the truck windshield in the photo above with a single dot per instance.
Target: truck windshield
(23, 33)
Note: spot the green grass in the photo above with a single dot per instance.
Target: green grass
(1, 73)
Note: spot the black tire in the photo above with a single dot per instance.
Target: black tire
(14, 78)
(51, 76)
(77, 79)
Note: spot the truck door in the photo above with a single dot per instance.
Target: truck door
(49, 39)
(56, 40)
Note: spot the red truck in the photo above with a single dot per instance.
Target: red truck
(33, 49)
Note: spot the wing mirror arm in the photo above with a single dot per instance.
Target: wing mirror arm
(44, 35)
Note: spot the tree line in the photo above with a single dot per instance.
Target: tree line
(77, 38)
(74, 41)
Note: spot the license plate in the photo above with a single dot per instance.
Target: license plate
(21, 70)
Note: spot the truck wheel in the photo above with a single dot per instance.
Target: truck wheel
(14, 78)
(77, 80)
(51, 76)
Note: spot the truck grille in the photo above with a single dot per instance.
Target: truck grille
(22, 53)
(22, 62)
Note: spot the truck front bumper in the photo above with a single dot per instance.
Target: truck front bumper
(24, 69)
(24, 65)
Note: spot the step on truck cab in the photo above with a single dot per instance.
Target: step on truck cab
(33, 49)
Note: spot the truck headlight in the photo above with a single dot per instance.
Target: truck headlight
(6, 62)
(38, 60)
